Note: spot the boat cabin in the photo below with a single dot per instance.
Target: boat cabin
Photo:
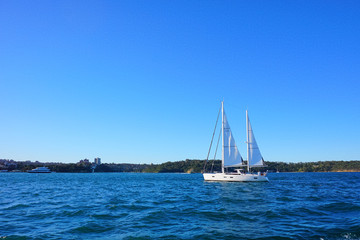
(240, 171)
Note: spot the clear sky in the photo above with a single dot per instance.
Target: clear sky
(142, 81)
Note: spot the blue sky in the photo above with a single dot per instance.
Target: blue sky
(142, 81)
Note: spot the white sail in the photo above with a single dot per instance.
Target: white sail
(254, 155)
(231, 154)
(232, 158)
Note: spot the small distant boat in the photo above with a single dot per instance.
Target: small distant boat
(40, 170)
(231, 156)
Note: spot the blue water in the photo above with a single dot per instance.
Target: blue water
(178, 206)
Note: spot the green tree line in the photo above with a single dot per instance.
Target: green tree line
(197, 166)
(185, 166)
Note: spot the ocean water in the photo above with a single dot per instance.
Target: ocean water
(178, 206)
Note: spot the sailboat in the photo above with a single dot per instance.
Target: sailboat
(231, 157)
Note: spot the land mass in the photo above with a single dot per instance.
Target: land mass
(185, 166)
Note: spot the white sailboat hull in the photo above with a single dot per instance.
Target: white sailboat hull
(234, 177)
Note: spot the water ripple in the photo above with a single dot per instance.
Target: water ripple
(179, 206)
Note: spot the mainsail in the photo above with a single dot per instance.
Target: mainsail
(254, 155)
(231, 154)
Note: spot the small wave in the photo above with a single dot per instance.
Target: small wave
(154, 216)
(314, 199)
(272, 215)
(340, 207)
(173, 237)
(275, 237)
(17, 206)
(285, 199)
(108, 216)
(91, 228)
(14, 237)
(342, 236)
(135, 207)
(222, 216)
(310, 211)
(73, 213)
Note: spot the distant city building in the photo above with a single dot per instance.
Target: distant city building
(97, 161)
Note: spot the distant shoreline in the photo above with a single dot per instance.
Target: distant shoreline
(184, 166)
(349, 171)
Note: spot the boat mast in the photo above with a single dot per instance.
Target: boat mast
(207, 158)
(247, 140)
(222, 129)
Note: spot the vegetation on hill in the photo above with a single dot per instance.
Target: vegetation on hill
(321, 166)
(186, 166)
(196, 166)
